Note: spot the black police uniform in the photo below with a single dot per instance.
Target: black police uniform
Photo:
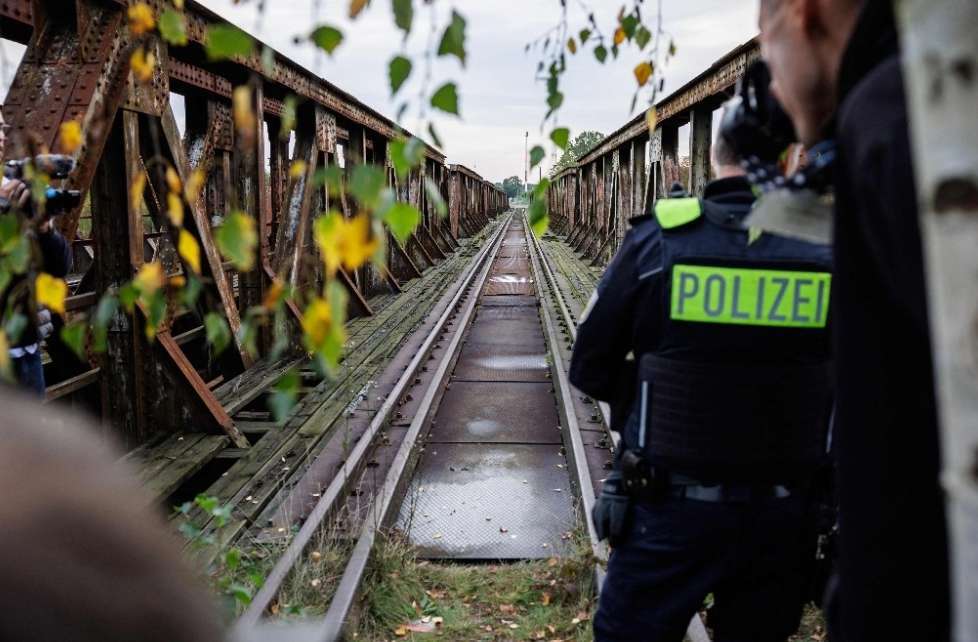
(728, 330)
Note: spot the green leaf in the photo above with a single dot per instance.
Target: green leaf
(402, 218)
(14, 327)
(539, 217)
(434, 195)
(289, 110)
(106, 309)
(218, 332)
(232, 559)
(284, 395)
(407, 155)
(642, 37)
(73, 336)
(333, 176)
(398, 71)
(268, 60)
(237, 239)
(128, 295)
(173, 27)
(446, 98)
(403, 15)
(240, 593)
(366, 184)
(629, 24)
(453, 40)
(536, 156)
(560, 137)
(601, 53)
(554, 101)
(225, 41)
(584, 35)
(190, 292)
(155, 313)
(434, 135)
(9, 232)
(327, 38)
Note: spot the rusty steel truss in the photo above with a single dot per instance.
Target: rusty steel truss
(621, 176)
(76, 67)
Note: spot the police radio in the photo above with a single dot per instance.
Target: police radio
(54, 166)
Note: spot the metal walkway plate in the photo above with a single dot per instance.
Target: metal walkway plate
(502, 300)
(501, 332)
(489, 502)
(508, 284)
(497, 412)
(491, 362)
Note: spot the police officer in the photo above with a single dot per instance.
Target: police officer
(727, 328)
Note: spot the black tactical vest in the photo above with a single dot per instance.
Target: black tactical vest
(738, 388)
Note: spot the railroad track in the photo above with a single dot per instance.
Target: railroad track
(500, 346)
(456, 370)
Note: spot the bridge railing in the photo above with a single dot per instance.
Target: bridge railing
(77, 68)
(621, 176)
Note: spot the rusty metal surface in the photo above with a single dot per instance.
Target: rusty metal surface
(497, 412)
(489, 502)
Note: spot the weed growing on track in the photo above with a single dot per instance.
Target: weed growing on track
(532, 600)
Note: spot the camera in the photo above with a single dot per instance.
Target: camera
(54, 166)
(759, 131)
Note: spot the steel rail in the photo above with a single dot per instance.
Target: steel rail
(339, 487)
(574, 444)
(696, 631)
(333, 623)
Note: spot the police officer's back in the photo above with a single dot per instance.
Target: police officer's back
(729, 406)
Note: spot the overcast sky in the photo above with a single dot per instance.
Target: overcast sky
(500, 98)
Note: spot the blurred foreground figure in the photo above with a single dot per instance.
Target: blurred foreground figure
(836, 70)
(83, 555)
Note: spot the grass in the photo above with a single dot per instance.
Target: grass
(531, 600)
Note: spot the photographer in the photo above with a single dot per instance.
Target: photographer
(53, 256)
(836, 69)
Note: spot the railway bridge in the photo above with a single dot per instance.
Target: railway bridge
(452, 389)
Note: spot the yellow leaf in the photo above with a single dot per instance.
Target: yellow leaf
(136, 191)
(297, 169)
(195, 183)
(326, 232)
(643, 71)
(142, 63)
(356, 6)
(5, 363)
(173, 179)
(174, 208)
(244, 115)
(149, 279)
(652, 119)
(273, 295)
(317, 322)
(51, 292)
(619, 35)
(572, 45)
(178, 4)
(141, 19)
(401, 631)
(189, 250)
(71, 136)
(359, 244)
(178, 281)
